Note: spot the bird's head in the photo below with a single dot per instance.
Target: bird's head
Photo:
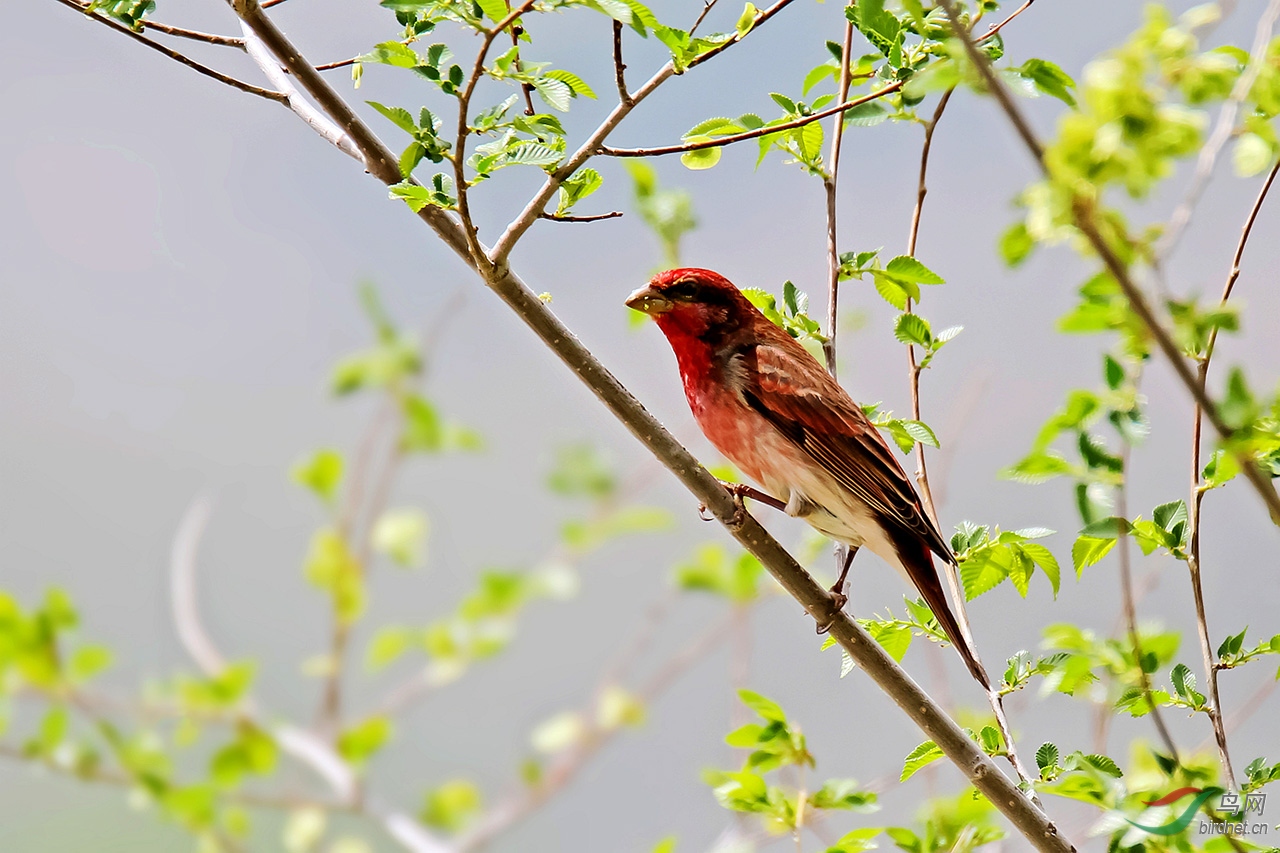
(692, 302)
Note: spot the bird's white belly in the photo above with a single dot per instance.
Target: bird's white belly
(791, 475)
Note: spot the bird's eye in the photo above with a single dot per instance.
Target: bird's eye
(684, 291)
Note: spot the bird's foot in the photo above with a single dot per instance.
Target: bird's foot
(838, 601)
(739, 491)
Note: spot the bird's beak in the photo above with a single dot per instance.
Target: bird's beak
(649, 301)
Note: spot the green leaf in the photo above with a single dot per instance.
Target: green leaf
(362, 741)
(1088, 550)
(762, 705)
(398, 116)
(913, 329)
(869, 114)
(573, 81)
(1105, 764)
(401, 534)
(495, 10)
(1046, 756)
(1016, 244)
(1049, 79)
(746, 20)
(321, 473)
(907, 268)
(88, 661)
(451, 806)
(702, 158)
(893, 290)
(392, 53)
(924, 754)
(532, 154)
(921, 432)
(556, 93)
(1251, 155)
(387, 646)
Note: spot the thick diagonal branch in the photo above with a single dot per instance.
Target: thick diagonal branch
(1032, 823)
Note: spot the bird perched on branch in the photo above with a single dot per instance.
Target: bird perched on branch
(775, 413)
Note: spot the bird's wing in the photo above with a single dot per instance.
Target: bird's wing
(792, 391)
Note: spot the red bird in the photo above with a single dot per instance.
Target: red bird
(772, 410)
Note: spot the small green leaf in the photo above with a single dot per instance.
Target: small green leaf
(702, 158)
(908, 268)
(1046, 756)
(923, 755)
(321, 473)
(362, 741)
(401, 534)
(913, 329)
(396, 115)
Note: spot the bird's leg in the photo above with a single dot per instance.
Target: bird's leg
(739, 491)
(837, 589)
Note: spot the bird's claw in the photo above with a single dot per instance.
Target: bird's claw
(736, 491)
(838, 600)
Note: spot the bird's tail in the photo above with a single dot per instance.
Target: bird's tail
(918, 561)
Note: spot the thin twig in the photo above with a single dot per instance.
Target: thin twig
(1029, 820)
(995, 28)
(1129, 608)
(922, 189)
(763, 16)
(619, 67)
(1222, 131)
(1085, 215)
(182, 592)
(922, 472)
(595, 217)
(829, 184)
(479, 259)
(1194, 564)
(174, 55)
(702, 16)
(720, 142)
(341, 63)
(194, 35)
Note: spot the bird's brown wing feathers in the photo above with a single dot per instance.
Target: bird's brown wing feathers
(801, 399)
(792, 391)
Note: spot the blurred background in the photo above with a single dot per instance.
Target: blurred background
(179, 267)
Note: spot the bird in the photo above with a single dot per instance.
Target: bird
(773, 411)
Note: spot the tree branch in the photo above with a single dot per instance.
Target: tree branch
(1197, 494)
(595, 217)
(951, 739)
(1129, 607)
(619, 68)
(952, 574)
(194, 35)
(829, 184)
(722, 141)
(1085, 216)
(295, 100)
(174, 55)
